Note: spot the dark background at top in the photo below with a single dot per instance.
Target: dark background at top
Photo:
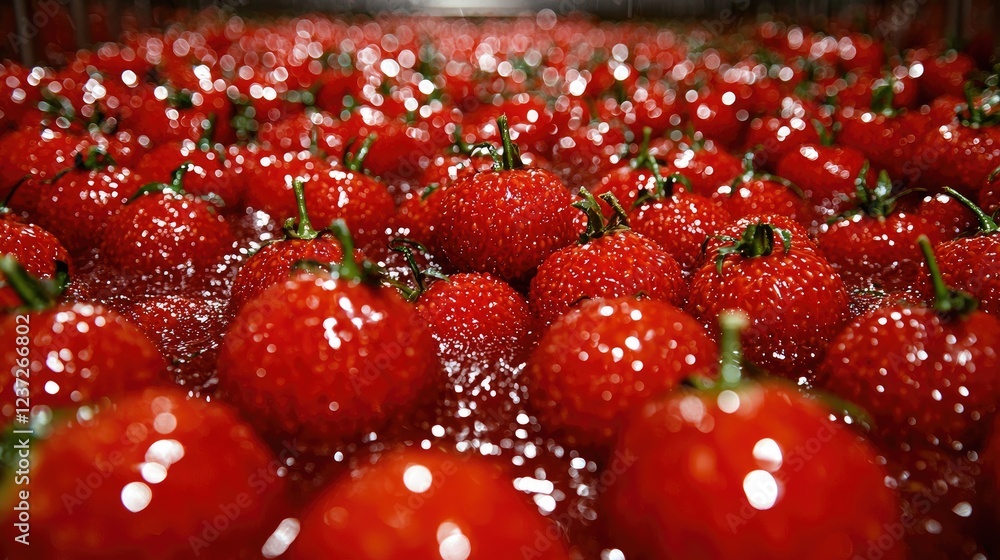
(967, 21)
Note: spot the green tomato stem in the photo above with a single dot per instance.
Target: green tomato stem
(355, 162)
(304, 228)
(987, 225)
(730, 347)
(511, 153)
(947, 301)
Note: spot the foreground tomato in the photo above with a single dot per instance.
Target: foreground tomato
(163, 234)
(67, 355)
(610, 260)
(273, 263)
(947, 394)
(155, 476)
(77, 204)
(426, 504)
(762, 472)
(325, 357)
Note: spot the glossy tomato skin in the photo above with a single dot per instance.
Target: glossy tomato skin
(618, 264)
(794, 299)
(762, 472)
(207, 171)
(775, 136)
(483, 329)
(167, 237)
(944, 213)
(426, 504)
(945, 73)
(35, 151)
(825, 174)
(627, 183)
(971, 264)
(586, 153)
(77, 206)
(894, 143)
(35, 249)
(966, 155)
(506, 222)
(607, 357)
(164, 123)
(420, 210)
(923, 377)
(706, 165)
(270, 175)
(716, 114)
(877, 252)
(945, 498)
(477, 319)
(680, 224)
(989, 196)
(764, 196)
(273, 265)
(145, 477)
(78, 354)
(359, 199)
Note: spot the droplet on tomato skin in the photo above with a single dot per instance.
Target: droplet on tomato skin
(136, 496)
(417, 479)
(153, 473)
(767, 452)
(728, 401)
(761, 489)
(282, 537)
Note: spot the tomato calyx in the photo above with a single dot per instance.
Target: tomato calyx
(175, 186)
(350, 269)
(510, 159)
(663, 185)
(757, 240)
(407, 247)
(597, 225)
(982, 104)
(873, 201)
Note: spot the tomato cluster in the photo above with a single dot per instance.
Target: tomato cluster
(542, 287)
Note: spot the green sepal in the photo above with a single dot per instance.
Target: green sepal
(757, 241)
(349, 269)
(597, 225)
(406, 247)
(176, 185)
